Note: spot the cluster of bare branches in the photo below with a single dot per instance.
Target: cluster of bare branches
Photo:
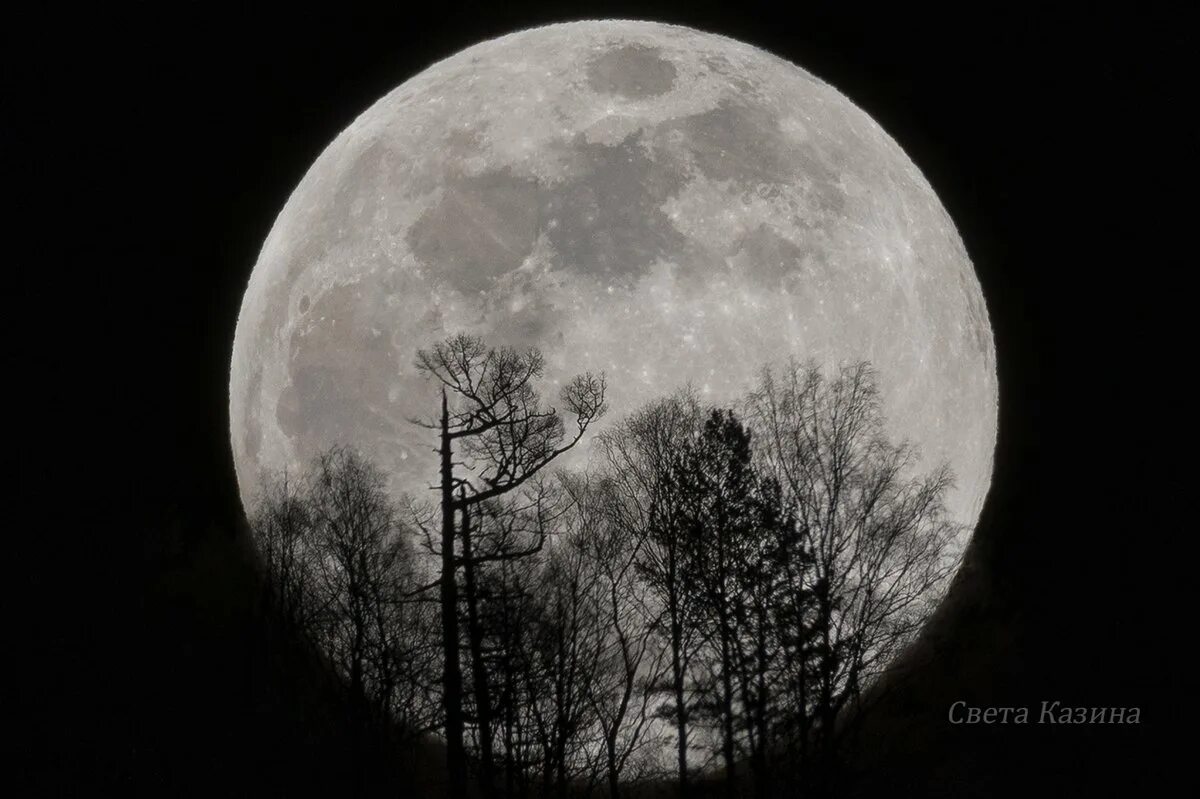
(568, 654)
(790, 554)
(705, 604)
(340, 567)
(492, 512)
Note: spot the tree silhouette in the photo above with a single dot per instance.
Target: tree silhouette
(718, 585)
(731, 519)
(341, 566)
(641, 454)
(630, 660)
(282, 524)
(491, 414)
(513, 588)
(566, 643)
(716, 484)
(361, 554)
(875, 537)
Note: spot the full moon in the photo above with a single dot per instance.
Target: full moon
(664, 205)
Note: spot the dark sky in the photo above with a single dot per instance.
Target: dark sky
(158, 149)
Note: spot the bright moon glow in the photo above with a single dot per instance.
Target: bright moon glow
(664, 205)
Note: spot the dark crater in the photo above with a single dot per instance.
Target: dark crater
(632, 71)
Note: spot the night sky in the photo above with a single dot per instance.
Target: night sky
(159, 149)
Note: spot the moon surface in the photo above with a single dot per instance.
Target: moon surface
(664, 205)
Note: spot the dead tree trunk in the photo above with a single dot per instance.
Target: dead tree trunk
(483, 698)
(456, 759)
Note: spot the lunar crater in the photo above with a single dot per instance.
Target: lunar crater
(633, 71)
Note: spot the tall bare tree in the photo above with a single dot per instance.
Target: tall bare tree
(364, 559)
(342, 568)
(514, 587)
(566, 646)
(494, 534)
(630, 657)
(641, 454)
(281, 520)
(492, 416)
(877, 534)
(730, 521)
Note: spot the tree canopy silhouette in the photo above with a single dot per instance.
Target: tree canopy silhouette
(491, 413)
(706, 601)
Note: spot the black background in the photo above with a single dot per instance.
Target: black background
(158, 149)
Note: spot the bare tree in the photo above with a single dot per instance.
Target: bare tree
(763, 575)
(514, 586)
(630, 659)
(416, 705)
(641, 455)
(495, 534)
(566, 646)
(876, 536)
(731, 519)
(492, 416)
(340, 564)
(281, 520)
(365, 562)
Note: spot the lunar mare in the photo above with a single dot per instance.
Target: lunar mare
(664, 205)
